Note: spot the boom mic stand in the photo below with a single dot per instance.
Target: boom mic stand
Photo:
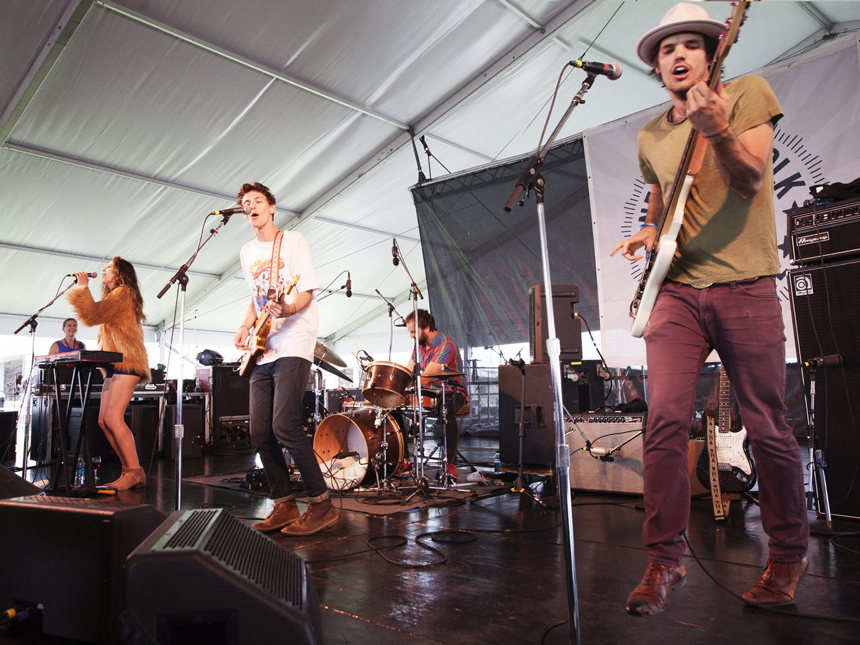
(27, 416)
(181, 276)
(414, 294)
(532, 179)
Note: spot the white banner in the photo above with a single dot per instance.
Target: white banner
(817, 141)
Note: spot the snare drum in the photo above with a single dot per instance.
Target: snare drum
(386, 384)
(346, 444)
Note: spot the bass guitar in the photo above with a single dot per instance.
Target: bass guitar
(735, 465)
(658, 263)
(256, 340)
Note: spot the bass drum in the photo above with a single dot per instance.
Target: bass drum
(386, 384)
(347, 446)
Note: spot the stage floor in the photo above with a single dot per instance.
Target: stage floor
(503, 577)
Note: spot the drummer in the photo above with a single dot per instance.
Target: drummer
(440, 354)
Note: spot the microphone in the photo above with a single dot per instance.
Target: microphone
(394, 252)
(611, 71)
(597, 451)
(399, 323)
(344, 455)
(833, 360)
(348, 285)
(91, 274)
(246, 209)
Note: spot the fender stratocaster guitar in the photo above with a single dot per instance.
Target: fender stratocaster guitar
(658, 263)
(256, 340)
(734, 463)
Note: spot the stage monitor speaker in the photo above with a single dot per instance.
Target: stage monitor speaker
(825, 311)
(205, 577)
(568, 329)
(539, 415)
(67, 555)
(620, 433)
(13, 486)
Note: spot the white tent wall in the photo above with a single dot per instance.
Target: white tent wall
(123, 122)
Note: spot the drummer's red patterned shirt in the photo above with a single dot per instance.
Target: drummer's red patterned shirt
(442, 350)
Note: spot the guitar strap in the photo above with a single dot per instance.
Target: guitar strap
(721, 505)
(275, 268)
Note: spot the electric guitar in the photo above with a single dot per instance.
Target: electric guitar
(658, 263)
(256, 340)
(734, 461)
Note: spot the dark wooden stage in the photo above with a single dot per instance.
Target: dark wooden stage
(503, 581)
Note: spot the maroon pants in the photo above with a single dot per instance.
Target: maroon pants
(742, 321)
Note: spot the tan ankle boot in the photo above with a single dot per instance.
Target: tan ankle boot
(316, 518)
(130, 478)
(282, 515)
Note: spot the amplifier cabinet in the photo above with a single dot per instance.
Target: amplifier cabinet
(623, 432)
(825, 233)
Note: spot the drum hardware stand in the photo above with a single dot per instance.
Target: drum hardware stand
(818, 487)
(532, 179)
(181, 276)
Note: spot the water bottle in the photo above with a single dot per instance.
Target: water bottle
(497, 464)
(79, 472)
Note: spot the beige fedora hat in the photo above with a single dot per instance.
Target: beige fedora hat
(684, 16)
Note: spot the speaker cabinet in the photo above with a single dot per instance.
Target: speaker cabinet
(538, 410)
(13, 486)
(205, 577)
(67, 555)
(568, 328)
(620, 433)
(825, 311)
(193, 436)
(230, 396)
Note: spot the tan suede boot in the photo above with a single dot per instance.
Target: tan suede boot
(316, 518)
(282, 514)
(130, 478)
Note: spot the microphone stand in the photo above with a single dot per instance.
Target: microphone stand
(532, 179)
(181, 276)
(391, 312)
(32, 323)
(414, 294)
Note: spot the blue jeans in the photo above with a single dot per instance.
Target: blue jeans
(276, 395)
(742, 321)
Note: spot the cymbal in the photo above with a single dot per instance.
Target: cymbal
(328, 355)
(442, 374)
(330, 369)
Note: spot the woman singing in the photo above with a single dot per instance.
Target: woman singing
(119, 315)
(69, 343)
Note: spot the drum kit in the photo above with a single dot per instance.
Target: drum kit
(365, 447)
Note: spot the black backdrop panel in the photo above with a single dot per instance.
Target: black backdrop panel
(826, 313)
(481, 261)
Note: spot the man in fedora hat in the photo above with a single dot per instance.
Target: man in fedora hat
(719, 294)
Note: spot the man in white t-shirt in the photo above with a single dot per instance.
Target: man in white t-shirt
(269, 262)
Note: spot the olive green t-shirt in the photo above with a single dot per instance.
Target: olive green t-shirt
(724, 237)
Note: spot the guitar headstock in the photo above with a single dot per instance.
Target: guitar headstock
(727, 39)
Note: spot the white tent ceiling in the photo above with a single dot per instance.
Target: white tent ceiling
(125, 122)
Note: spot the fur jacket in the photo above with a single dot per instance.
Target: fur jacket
(119, 329)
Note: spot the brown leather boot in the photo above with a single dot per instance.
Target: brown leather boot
(130, 478)
(281, 515)
(650, 595)
(317, 518)
(777, 583)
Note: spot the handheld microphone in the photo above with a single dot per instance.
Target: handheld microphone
(348, 285)
(394, 252)
(833, 360)
(246, 209)
(91, 274)
(611, 71)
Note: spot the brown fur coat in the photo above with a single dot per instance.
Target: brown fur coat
(119, 329)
